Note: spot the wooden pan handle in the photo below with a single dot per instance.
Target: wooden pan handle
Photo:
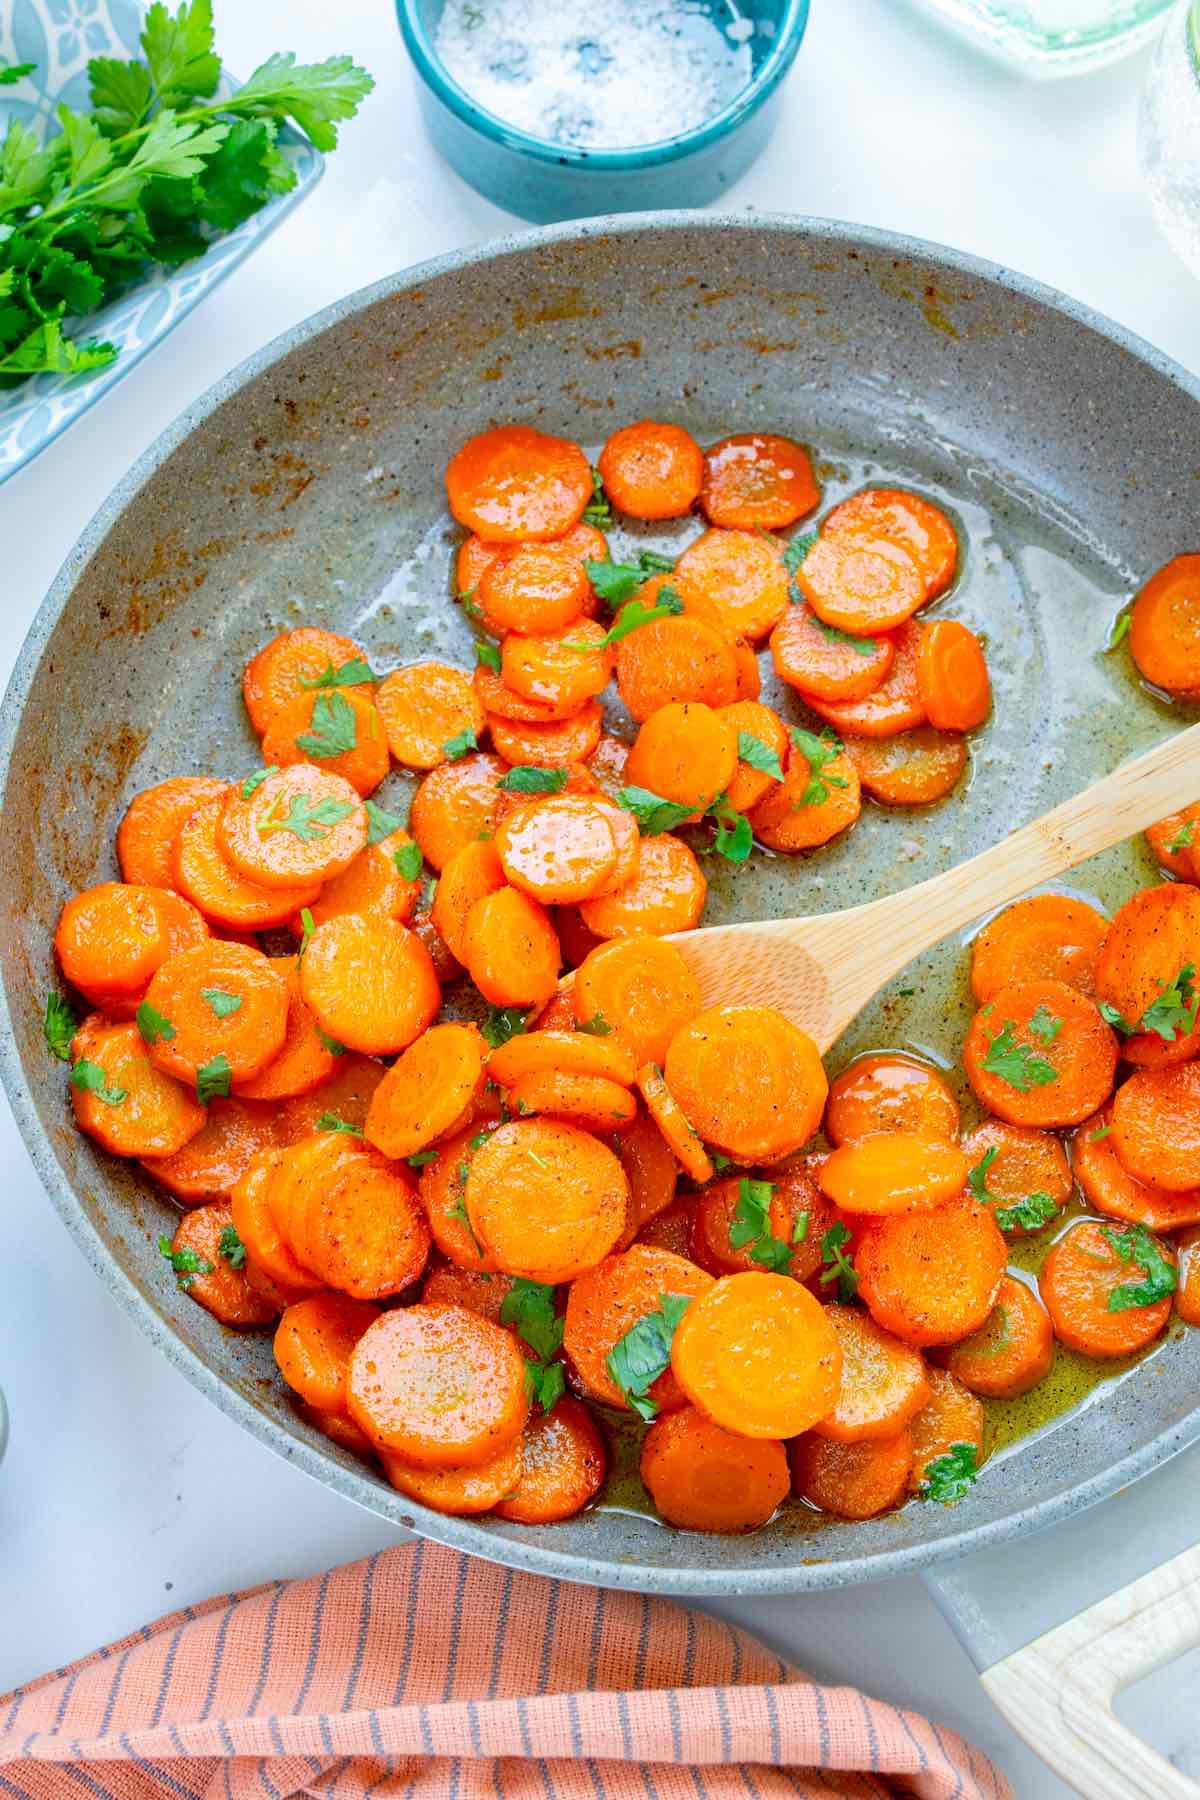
(1058, 1691)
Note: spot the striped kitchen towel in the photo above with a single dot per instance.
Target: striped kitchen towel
(421, 1674)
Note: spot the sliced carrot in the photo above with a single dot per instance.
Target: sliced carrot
(298, 825)
(1151, 941)
(575, 779)
(373, 883)
(352, 1217)
(906, 519)
(454, 805)
(748, 1080)
(703, 1478)
(473, 557)
(666, 895)
(1048, 937)
(1012, 1350)
(446, 966)
(502, 702)
(607, 762)
(1094, 1286)
(758, 1356)
(339, 729)
(749, 674)
(735, 579)
(1110, 1188)
(181, 927)
(512, 952)
(536, 587)
(1147, 1050)
(761, 735)
(651, 1171)
(346, 1095)
(256, 1226)
(203, 873)
(134, 1109)
(340, 1429)
(563, 1466)
(471, 873)
(546, 1199)
(1187, 1294)
(860, 583)
(851, 1481)
(587, 1100)
(819, 796)
(672, 1122)
(1175, 841)
(820, 660)
(1018, 1168)
(289, 665)
(479, 1290)
(426, 1089)
(152, 822)
(641, 990)
(952, 1416)
(756, 480)
(894, 706)
(884, 1383)
(438, 1385)
(207, 1276)
(1156, 1126)
(461, 1493)
(555, 746)
(889, 1091)
(607, 1302)
(370, 983)
(559, 850)
(514, 483)
(110, 939)
(652, 470)
(798, 1215)
(279, 1294)
(226, 1009)
(675, 658)
(953, 677)
(424, 707)
(563, 669)
(314, 1342)
(913, 768)
(1164, 632)
(443, 1189)
(710, 1238)
(686, 753)
(931, 1278)
(558, 1014)
(1038, 1053)
(210, 1164)
(303, 1061)
(893, 1172)
(575, 1052)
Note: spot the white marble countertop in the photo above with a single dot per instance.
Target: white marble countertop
(124, 1493)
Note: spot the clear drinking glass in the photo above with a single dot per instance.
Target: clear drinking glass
(1169, 131)
(1051, 37)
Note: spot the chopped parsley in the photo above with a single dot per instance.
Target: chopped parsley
(1044, 1025)
(636, 1360)
(652, 812)
(223, 1003)
(529, 1307)
(947, 1479)
(348, 674)
(409, 861)
(331, 1044)
(306, 821)
(596, 1026)
(838, 1266)
(1134, 1244)
(1102, 1132)
(460, 745)
(735, 837)
(253, 782)
(420, 1158)
(861, 646)
(90, 1078)
(757, 755)
(546, 1383)
(632, 615)
(597, 511)
(306, 928)
(502, 1023)
(214, 1080)
(817, 752)
(1170, 1015)
(330, 1122)
(1027, 1214)
(794, 554)
(1016, 1063)
(187, 1263)
(231, 1247)
(751, 1225)
(152, 1025)
(459, 1211)
(615, 582)
(1183, 839)
(333, 728)
(58, 1026)
(532, 779)
(488, 655)
(800, 1228)
(1120, 630)
(380, 824)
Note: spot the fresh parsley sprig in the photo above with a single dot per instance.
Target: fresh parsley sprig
(636, 1360)
(59, 1026)
(838, 1266)
(355, 673)
(751, 1226)
(633, 615)
(187, 1263)
(334, 731)
(380, 823)
(817, 752)
(1171, 1014)
(1027, 1214)
(502, 1023)
(90, 1078)
(530, 778)
(1134, 1244)
(1016, 1063)
(947, 1479)
(305, 820)
(757, 755)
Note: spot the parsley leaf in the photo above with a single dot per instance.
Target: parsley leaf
(409, 861)
(330, 1043)
(1101, 1132)
(221, 1002)
(306, 821)
(636, 1360)
(419, 1158)
(460, 745)
(546, 1383)
(488, 655)
(531, 779)
(653, 562)
(632, 615)
(529, 1306)
(252, 782)
(231, 1247)
(333, 727)
(187, 1263)
(307, 928)
(1120, 630)
(58, 1026)
(735, 836)
(15, 72)
(800, 1228)
(330, 1122)
(751, 1225)
(838, 1266)
(1173, 1013)
(152, 1025)
(652, 812)
(214, 1080)
(1183, 839)
(817, 752)
(794, 554)
(1044, 1025)
(861, 646)
(948, 1478)
(1016, 1063)
(502, 1023)
(459, 1211)
(380, 824)
(613, 582)
(757, 755)
(596, 1026)
(1134, 1244)
(348, 674)
(1029, 1214)
(1116, 1019)
(720, 1161)
(90, 1078)
(977, 1177)
(597, 511)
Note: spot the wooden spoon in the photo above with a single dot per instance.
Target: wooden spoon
(822, 970)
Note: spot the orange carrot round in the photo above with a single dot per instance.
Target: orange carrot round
(1110, 1188)
(894, 706)
(370, 983)
(514, 483)
(1156, 1126)
(736, 580)
(1012, 1350)
(851, 1481)
(666, 895)
(426, 1089)
(556, 746)
(455, 805)
(314, 1342)
(641, 989)
(563, 1462)
(889, 1091)
(346, 1094)
(443, 1189)
(758, 1356)
(424, 707)
(686, 753)
(503, 702)
(931, 1278)
(1164, 632)
(546, 1199)
(224, 1004)
(652, 470)
(1096, 1288)
(752, 721)
(470, 875)
(536, 587)
(338, 728)
(703, 1478)
(297, 826)
(512, 952)
(373, 883)
(202, 872)
(210, 1278)
(1151, 940)
(672, 1122)
(439, 1386)
(152, 822)
(559, 850)
(210, 1164)
(1038, 1053)
(651, 1171)
(303, 1061)
(562, 669)
(952, 676)
(462, 1493)
(755, 479)
(820, 660)
(576, 1052)
(860, 583)
(913, 768)
(479, 1290)
(132, 1108)
(1048, 937)
(906, 519)
(952, 1416)
(673, 659)
(607, 1302)
(884, 1383)
(819, 796)
(257, 1227)
(1187, 1294)
(1015, 1163)
(358, 1222)
(110, 939)
(893, 1172)
(292, 664)
(588, 1100)
(1175, 841)
(748, 1080)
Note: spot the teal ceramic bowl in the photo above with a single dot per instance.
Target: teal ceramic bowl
(545, 181)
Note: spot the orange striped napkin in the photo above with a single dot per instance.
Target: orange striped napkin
(426, 1675)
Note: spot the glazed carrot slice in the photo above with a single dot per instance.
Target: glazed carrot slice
(303, 1061)
(687, 753)
(1048, 937)
(426, 1090)
(225, 1005)
(208, 1276)
(1175, 842)
(575, 942)
(292, 664)
(666, 895)
(123, 1101)
(860, 583)
(931, 1278)
(563, 1466)
(537, 587)
(203, 873)
(556, 746)
(748, 1080)
(1018, 1168)
(952, 676)
(563, 669)
(461, 1493)
(472, 559)
(762, 736)
(559, 850)
(893, 1172)
(1164, 631)
(819, 796)
(443, 1189)
(357, 1222)
(514, 483)
(702, 1478)
(757, 1355)
(889, 1091)
(1187, 1294)
(636, 992)
(338, 728)
(210, 1164)
(373, 883)
(755, 479)
(340, 1429)
(710, 1239)
(587, 1100)
(470, 875)
(479, 1290)
(915, 524)
(546, 1199)
(512, 953)
(652, 470)
(673, 659)
(454, 805)
(280, 1295)
(797, 1217)
(1038, 1053)
(651, 1171)
(110, 938)
(370, 983)
(182, 927)
(439, 1386)
(1156, 1126)
(851, 1481)
(884, 1383)
(829, 664)
(1151, 941)
(749, 674)
(502, 702)
(894, 706)
(672, 1122)
(314, 1342)
(735, 579)
(256, 1226)
(152, 822)
(1109, 1187)
(1108, 1288)
(574, 1052)
(953, 1416)
(297, 826)
(345, 1094)
(913, 768)
(1012, 1350)
(426, 706)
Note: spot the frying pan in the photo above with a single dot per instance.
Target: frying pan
(306, 486)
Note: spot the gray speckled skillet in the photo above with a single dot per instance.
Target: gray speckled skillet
(307, 486)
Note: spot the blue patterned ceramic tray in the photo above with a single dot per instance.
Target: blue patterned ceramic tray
(59, 36)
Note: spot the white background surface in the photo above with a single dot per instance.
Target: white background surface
(124, 1493)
